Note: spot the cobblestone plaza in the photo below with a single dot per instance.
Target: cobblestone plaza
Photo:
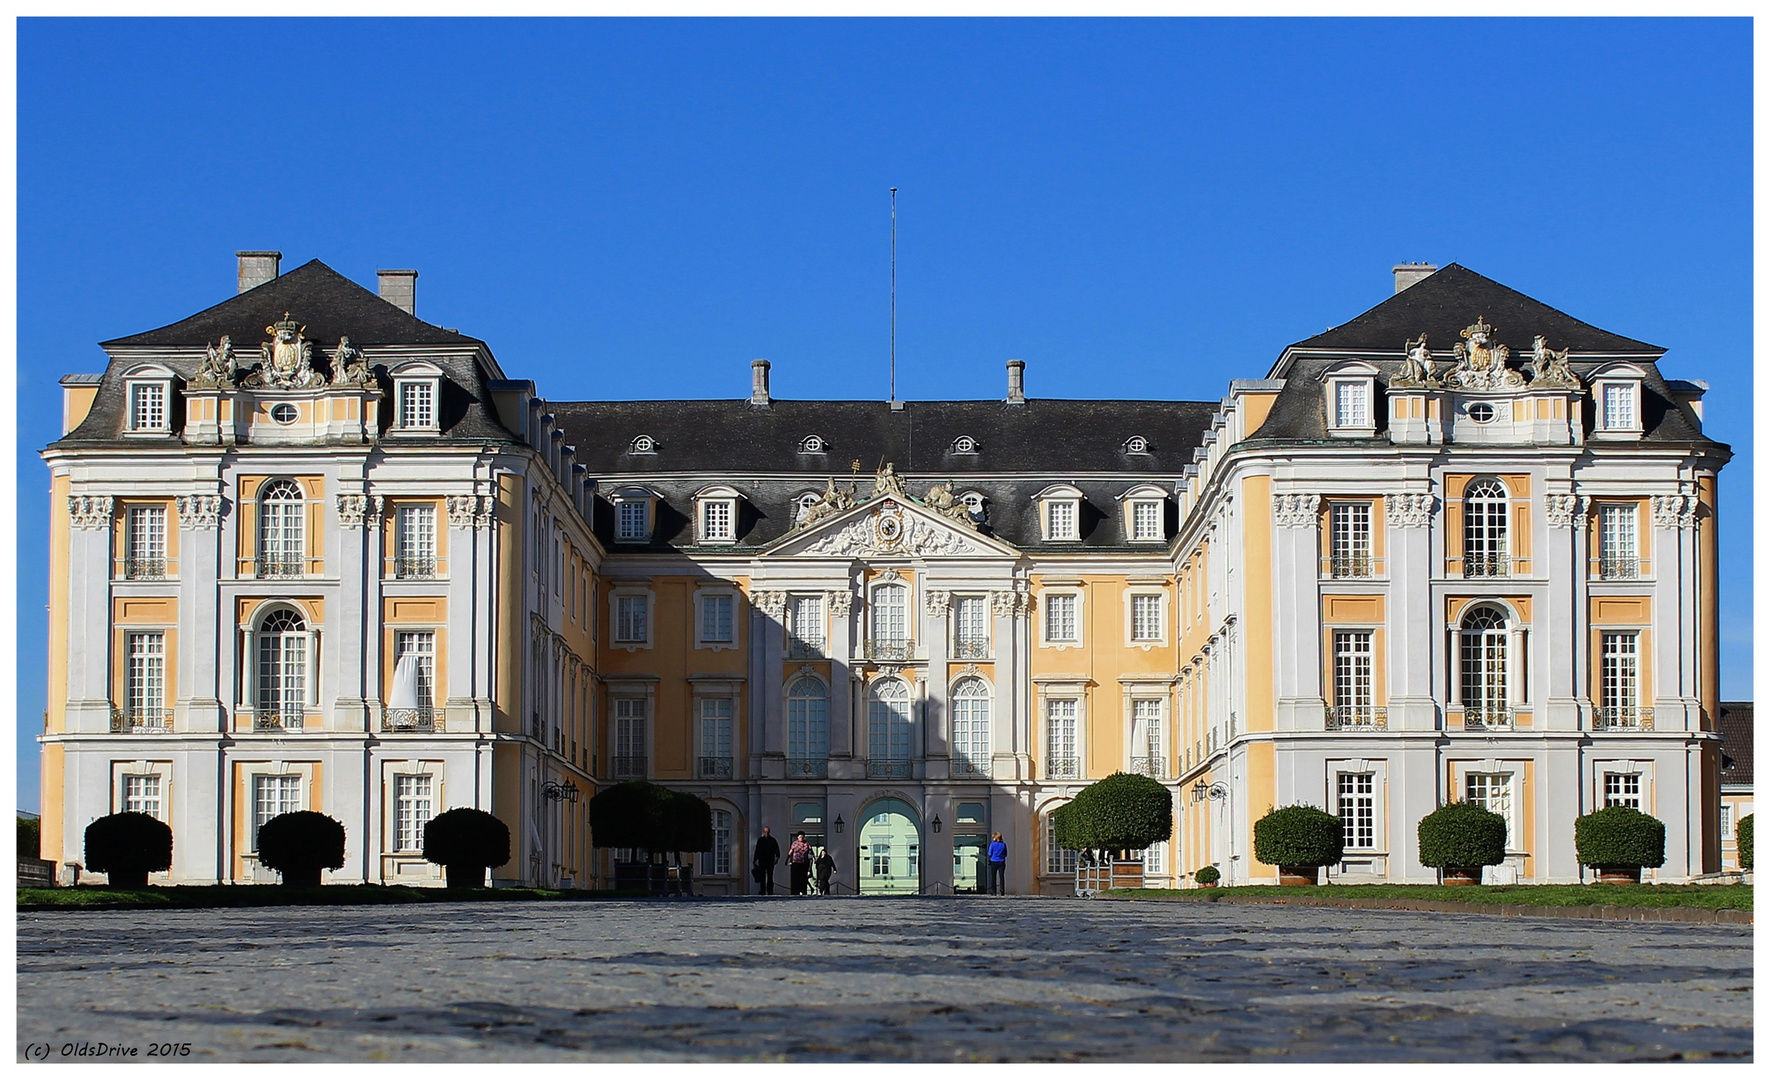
(905, 979)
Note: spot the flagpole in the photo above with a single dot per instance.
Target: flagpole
(894, 295)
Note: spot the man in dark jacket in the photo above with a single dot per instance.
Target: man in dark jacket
(768, 852)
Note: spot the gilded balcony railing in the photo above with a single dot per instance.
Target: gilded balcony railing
(272, 720)
(970, 650)
(1154, 767)
(715, 768)
(888, 649)
(1613, 568)
(139, 568)
(409, 720)
(1622, 718)
(1063, 768)
(1351, 565)
(414, 568)
(1487, 564)
(1357, 717)
(1487, 719)
(275, 566)
(139, 721)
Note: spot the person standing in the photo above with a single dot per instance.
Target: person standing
(826, 869)
(768, 852)
(799, 865)
(998, 866)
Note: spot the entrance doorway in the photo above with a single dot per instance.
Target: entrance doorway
(890, 857)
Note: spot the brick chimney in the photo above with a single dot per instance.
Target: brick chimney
(399, 288)
(1017, 382)
(257, 267)
(759, 382)
(1407, 274)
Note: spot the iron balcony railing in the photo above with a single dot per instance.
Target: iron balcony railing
(715, 768)
(627, 766)
(888, 769)
(961, 767)
(800, 649)
(888, 648)
(1351, 565)
(1487, 719)
(807, 768)
(271, 720)
(414, 568)
(1063, 768)
(413, 720)
(139, 568)
(970, 650)
(1357, 717)
(1487, 564)
(1622, 718)
(275, 566)
(1154, 767)
(139, 722)
(1614, 568)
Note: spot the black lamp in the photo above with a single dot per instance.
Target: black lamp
(839, 823)
(936, 823)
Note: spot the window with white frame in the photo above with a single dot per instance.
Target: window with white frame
(890, 614)
(282, 530)
(1486, 529)
(142, 795)
(283, 657)
(716, 622)
(415, 541)
(1153, 858)
(1062, 760)
(1146, 617)
(1349, 539)
(888, 721)
(805, 627)
(1353, 700)
(970, 627)
(717, 862)
(1486, 644)
(420, 645)
(1622, 789)
(1617, 407)
(1062, 519)
(632, 618)
(273, 794)
(413, 807)
(1146, 520)
(1061, 622)
(632, 519)
(808, 709)
(718, 520)
(1356, 808)
(716, 738)
(1058, 859)
(1149, 750)
(629, 737)
(1352, 403)
(1726, 821)
(1620, 677)
(1493, 793)
(1617, 554)
(971, 716)
(147, 407)
(144, 555)
(417, 405)
(146, 689)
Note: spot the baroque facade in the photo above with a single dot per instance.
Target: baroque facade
(356, 568)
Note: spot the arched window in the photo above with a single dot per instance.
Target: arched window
(888, 729)
(282, 549)
(1058, 860)
(717, 862)
(1486, 512)
(1485, 659)
(890, 623)
(971, 708)
(808, 734)
(284, 648)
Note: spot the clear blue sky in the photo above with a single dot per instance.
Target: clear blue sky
(634, 209)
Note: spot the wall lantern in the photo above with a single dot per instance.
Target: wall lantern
(936, 823)
(553, 790)
(839, 823)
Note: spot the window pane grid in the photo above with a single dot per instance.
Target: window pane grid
(1350, 539)
(805, 625)
(416, 405)
(1622, 789)
(1058, 860)
(1485, 530)
(145, 551)
(1353, 696)
(716, 521)
(273, 794)
(1620, 678)
(630, 618)
(971, 627)
(1617, 556)
(716, 618)
(141, 795)
(807, 723)
(1146, 618)
(1061, 759)
(147, 410)
(971, 721)
(1060, 617)
(282, 530)
(1146, 521)
(1351, 405)
(632, 515)
(146, 690)
(412, 808)
(890, 614)
(421, 644)
(1619, 405)
(1357, 803)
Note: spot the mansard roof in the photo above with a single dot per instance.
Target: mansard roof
(1735, 723)
(329, 304)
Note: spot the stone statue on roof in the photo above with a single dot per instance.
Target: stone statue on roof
(941, 500)
(887, 482)
(218, 365)
(348, 366)
(1549, 367)
(1416, 364)
(286, 360)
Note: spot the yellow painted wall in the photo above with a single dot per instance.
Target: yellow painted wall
(512, 543)
(1261, 784)
(60, 546)
(1256, 569)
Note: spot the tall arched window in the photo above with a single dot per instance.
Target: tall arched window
(890, 635)
(1485, 659)
(888, 729)
(282, 550)
(284, 647)
(808, 735)
(1486, 552)
(971, 708)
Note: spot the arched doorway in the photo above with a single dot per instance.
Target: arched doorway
(890, 855)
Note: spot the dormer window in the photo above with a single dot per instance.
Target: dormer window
(976, 504)
(643, 444)
(1617, 394)
(150, 401)
(416, 390)
(1144, 517)
(1352, 404)
(1351, 390)
(813, 444)
(965, 444)
(805, 501)
(1137, 444)
(1060, 512)
(716, 515)
(634, 508)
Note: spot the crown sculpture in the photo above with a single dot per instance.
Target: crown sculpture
(286, 359)
(1481, 361)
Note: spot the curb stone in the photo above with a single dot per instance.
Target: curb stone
(1610, 912)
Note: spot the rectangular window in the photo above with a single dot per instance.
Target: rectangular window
(1349, 550)
(1352, 405)
(421, 646)
(1149, 752)
(1726, 822)
(805, 627)
(1493, 792)
(1060, 617)
(146, 692)
(891, 615)
(141, 795)
(412, 808)
(417, 405)
(716, 520)
(970, 627)
(1146, 521)
(631, 619)
(629, 737)
(1622, 789)
(717, 862)
(1357, 810)
(273, 794)
(1060, 520)
(1620, 679)
(1058, 860)
(716, 619)
(145, 551)
(415, 542)
(632, 515)
(1619, 405)
(147, 406)
(1061, 760)
(1152, 858)
(1352, 678)
(1146, 618)
(1617, 556)
(716, 737)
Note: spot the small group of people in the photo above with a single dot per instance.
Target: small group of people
(802, 862)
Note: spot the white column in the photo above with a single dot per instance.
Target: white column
(1556, 667)
(1297, 637)
(348, 646)
(1410, 638)
(840, 608)
(89, 620)
(205, 629)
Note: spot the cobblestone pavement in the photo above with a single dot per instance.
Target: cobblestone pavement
(953, 979)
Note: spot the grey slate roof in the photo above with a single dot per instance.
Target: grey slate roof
(1735, 723)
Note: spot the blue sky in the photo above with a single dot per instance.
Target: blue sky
(635, 209)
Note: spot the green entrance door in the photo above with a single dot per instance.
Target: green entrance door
(890, 849)
(968, 863)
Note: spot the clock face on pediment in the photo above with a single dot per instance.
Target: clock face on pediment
(887, 528)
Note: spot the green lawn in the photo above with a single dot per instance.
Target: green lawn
(219, 896)
(1737, 897)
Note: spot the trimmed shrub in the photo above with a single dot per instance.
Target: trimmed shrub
(466, 842)
(1619, 836)
(688, 823)
(29, 846)
(1124, 811)
(1207, 875)
(1742, 835)
(639, 814)
(128, 846)
(1299, 836)
(1462, 834)
(300, 845)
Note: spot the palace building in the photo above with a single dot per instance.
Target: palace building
(312, 552)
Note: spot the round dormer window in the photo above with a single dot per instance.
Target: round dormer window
(1136, 444)
(812, 444)
(284, 413)
(644, 444)
(1482, 413)
(964, 444)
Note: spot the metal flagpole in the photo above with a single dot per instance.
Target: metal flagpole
(894, 295)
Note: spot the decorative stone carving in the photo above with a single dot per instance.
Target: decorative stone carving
(90, 511)
(1566, 511)
(1674, 511)
(1295, 511)
(1416, 365)
(969, 671)
(840, 601)
(469, 511)
(941, 500)
(1408, 509)
(217, 371)
(352, 509)
(1001, 601)
(833, 501)
(937, 601)
(199, 511)
(1481, 361)
(890, 532)
(349, 368)
(887, 482)
(770, 602)
(1550, 368)
(286, 360)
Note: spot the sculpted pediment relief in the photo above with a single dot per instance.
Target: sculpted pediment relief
(889, 527)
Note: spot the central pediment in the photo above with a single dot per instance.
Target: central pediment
(889, 527)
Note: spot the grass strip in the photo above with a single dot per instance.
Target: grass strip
(1706, 897)
(103, 897)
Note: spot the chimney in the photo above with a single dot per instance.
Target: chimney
(399, 288)
(1017, 382)
(1407, 274)
(257, 267)
(759, 382)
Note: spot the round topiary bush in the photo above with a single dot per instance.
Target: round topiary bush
(1207, 875)
(466, 842)
(638, 814)
(1742, 835)
(128, 847)
(300, 845)
(1299, 840)
(1462, 836)
(1123, 812)
(1619, 838)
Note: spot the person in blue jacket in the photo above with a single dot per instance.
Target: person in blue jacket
(998, 866)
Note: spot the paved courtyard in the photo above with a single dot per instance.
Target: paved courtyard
(953, 979)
